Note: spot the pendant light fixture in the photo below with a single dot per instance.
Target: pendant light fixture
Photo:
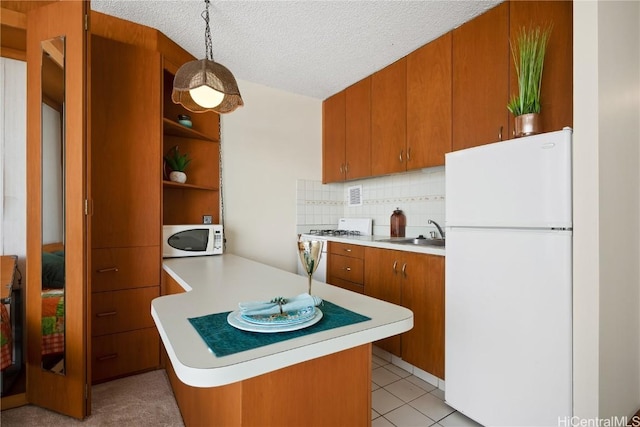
(205, 85)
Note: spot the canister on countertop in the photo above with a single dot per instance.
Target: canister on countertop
(398, 223)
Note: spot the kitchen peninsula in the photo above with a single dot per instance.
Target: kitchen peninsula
(320, 378)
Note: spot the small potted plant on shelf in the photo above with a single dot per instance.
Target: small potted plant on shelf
(177, 163)
(528, 57)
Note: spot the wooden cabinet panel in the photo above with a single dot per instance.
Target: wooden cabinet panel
(125, 145)
(358, 130)
(121, 311)
(556, 94)
(423, 293)
(115, 355)
(429, 104)
(481, 59)
(346, 249)
(346, 268)
(382, 281)
(125, 268)
(333, 138)
(389, 119)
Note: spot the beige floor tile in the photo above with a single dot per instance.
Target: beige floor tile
(458, 420)
(383, 376)
(432, 407)
(438, 393)
(382, 401)
(381, 422)
(398, 371)
(406, 416)
(405, 390)
(421, 383)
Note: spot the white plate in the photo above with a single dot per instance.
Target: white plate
(235, 319)
(287, 318)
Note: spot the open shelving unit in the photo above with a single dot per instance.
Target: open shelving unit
(187, 203)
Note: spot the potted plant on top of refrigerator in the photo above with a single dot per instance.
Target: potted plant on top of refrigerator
(178, 163)
(528, 53)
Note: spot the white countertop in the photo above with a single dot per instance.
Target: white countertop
(216, 284)
(375, 242)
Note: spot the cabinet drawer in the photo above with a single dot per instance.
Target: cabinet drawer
(346, 268)
(124, 353)
(346, 249)
(120, 311)
(124, 268)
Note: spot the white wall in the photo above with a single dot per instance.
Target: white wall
(269, 143)
(13, 146)
(607, 209)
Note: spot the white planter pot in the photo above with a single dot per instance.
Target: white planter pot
(179, 177)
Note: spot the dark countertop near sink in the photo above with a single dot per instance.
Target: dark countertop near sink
(377, 242)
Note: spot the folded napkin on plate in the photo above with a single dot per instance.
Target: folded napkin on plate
(252, 308)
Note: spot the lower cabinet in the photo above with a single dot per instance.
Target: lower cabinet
(345, 266)
(415, 281)
(124, 337)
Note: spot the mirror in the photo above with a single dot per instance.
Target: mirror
(53, 209)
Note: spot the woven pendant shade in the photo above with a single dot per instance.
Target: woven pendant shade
(206, 72)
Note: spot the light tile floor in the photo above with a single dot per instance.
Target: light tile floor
(401, 399)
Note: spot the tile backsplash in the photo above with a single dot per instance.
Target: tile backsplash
(420, 195)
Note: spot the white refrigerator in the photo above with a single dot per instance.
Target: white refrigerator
(508, 333)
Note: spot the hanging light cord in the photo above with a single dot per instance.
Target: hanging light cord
(208, 45)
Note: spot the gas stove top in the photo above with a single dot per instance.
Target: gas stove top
(347, 227)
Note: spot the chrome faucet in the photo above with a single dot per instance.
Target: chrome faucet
(438, 227)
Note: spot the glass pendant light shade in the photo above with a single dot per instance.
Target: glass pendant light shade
(205, 85)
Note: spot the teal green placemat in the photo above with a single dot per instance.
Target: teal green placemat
(223, 339)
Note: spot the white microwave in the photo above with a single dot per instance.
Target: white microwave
(192, 240)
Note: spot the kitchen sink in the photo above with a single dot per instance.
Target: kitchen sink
(417, 241)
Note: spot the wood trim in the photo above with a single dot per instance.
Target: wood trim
(14, 401)
(12, 18)
(335, 390)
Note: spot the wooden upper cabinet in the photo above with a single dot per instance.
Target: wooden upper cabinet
(481, 58)
(125, 149)
(333, 138)
(557, 79)
(389, 119)
(429, 104)
(358, 130)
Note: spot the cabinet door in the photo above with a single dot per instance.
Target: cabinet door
(126, 142)
(429, 104)
(389, 119)
(333, 138)
(556, 94)
(481, 58)
(358, 130)
(423, 293)
(382, 281)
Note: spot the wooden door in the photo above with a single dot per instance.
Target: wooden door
(556, 94)
(389, 119)
(481, 79)
(423, 293)
(67, 393)
(358, 130)
(382, 280)
(126, 134)
(429, 104)
(333, 138)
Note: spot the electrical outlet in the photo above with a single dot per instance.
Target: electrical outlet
(207, 219)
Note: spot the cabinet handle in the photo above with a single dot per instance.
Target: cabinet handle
(348, 268)
(346, 167)
(400, 157)
(395, 264)
(107, 313)
(404, 269)
(408, 154)
(347, 250)
(107, 357)
(108, 269)
(341, 168)
(500, 134)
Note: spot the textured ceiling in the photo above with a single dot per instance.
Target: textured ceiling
(312, 48)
